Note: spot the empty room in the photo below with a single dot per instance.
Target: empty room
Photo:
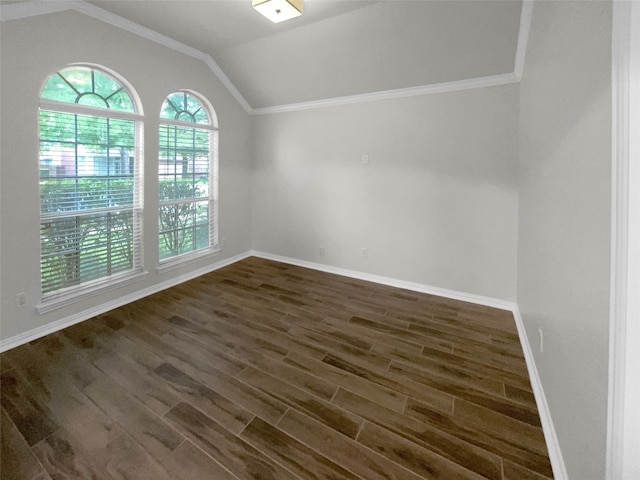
(319, 239)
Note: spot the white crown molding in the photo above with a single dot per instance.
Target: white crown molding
(217, 71)
(28, 336)
(523, 37)
(550, 436)
(144, 32)
(39, 7)
(453, 86)
(42, 7)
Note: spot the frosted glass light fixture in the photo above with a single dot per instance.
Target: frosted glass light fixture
(278, 10)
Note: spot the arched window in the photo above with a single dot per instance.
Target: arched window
(90, 181)
(187, 175)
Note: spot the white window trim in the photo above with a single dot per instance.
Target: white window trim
(67, 296)
(173, 263)
(623, 436)
(74, 108)
(70, 295)
(177, 261)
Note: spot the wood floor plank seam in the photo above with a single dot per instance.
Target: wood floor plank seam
(420, 433)
(302, 459)
(212, 461)
(15, 453)
(263, 370)
(33, 420)
(341, 377)
(226, 447)
(360, 430)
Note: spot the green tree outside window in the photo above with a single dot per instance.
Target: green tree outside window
(186, 223)
(89, 208)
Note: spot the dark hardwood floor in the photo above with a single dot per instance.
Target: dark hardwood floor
(263, 370)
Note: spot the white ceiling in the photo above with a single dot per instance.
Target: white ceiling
(337, 48)
(215, 25)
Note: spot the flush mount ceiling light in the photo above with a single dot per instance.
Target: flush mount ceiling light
(278, 10)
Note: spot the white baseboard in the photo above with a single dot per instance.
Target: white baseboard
(555, 454)
(392, 282)
(25, 337)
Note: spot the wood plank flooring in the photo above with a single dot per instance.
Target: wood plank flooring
(268, 371)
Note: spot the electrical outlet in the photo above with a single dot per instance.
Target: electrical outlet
(321, 251)
(21, 299)
(363, 251)
(365, 159)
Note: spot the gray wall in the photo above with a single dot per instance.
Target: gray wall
(34, 48)
(564, 220)
(436, 205)
(440, 203)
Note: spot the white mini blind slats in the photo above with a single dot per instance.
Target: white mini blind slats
(187, 184)
(90, 183)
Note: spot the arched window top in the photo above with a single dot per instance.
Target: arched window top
(185, 107)
(87, 86)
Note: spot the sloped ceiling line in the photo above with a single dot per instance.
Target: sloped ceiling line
(523, 37)
(43, 7)
(30, 9)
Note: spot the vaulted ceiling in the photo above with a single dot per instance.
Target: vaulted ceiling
(337, 48)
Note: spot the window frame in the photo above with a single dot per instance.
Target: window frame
(193, 256)
(67, 295)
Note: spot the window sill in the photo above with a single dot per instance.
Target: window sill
(187, 259)
(89, 290)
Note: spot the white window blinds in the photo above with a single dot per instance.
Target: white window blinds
(187, 176)
(90, 180)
